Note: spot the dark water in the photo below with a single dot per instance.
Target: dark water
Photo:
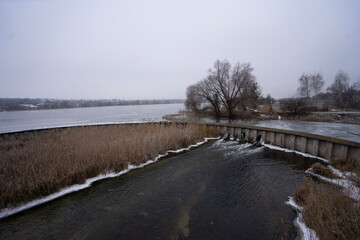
(218, 191)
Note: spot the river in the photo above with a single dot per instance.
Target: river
(221, 190)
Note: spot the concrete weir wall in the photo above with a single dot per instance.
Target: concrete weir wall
(317, 145)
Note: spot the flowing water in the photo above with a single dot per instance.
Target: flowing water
(221, 190)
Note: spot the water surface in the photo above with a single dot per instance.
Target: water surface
(337, 130)
(221, 190)
(38, 119)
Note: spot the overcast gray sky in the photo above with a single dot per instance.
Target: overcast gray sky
(155, 49)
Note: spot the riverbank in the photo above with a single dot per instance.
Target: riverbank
(328, 203)
(35, 165)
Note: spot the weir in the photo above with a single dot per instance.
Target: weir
(326, 147)
(318, 145)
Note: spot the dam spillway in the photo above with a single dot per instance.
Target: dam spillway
(329, 148)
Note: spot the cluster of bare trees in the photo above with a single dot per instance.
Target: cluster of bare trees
(345, 95)
(341, 91)
(310, 85)
(229, 89)
(225, 87)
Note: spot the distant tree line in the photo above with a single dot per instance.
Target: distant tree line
(341, 93)
(11, 104)
(224, 89)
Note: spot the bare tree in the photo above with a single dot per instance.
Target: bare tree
(341, 89)
(355, 100)
(209, 92)
(233, 85)
(304, 89)
(193, 98)
(310, 85)
(317, 84)
(253, 95)
(201, 92)
(228, 87)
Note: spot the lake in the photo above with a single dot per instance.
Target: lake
(38, 119)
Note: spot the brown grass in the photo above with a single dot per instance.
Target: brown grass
(346, 165)
(174, 117)
(38, 164)
(328, 211)
(322, 170)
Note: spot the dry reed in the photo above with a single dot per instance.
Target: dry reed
(329, 211)
(322, 170)
(346, 165)
(36, 165)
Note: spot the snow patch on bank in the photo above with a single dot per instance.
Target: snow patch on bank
(295, 151)
(77, 187)
(350, 189)
(306, 233)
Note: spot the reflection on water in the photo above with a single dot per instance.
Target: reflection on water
(220, 191)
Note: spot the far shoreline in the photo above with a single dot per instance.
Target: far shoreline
(62, 108)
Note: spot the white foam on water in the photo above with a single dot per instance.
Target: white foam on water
(242, 149)
(306, 233)
(77, 187)
(294, 151)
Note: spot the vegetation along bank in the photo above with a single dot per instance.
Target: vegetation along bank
(37, 164)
